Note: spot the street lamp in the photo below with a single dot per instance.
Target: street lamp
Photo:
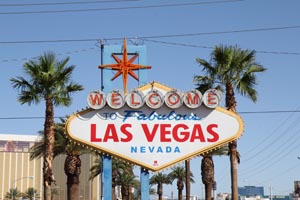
(24, 177)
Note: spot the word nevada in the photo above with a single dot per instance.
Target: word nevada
(154, 99)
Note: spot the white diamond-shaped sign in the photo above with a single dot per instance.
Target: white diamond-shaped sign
(154, 138)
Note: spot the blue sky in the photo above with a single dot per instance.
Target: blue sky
(270, 144)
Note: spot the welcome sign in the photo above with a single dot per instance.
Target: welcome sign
(154, 126)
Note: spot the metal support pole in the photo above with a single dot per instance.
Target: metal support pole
(187, 181)
(145, 186)
(102, 48)
(107, 177)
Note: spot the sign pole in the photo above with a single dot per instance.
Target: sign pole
(144, 178)
(107, 177)
(102, 49)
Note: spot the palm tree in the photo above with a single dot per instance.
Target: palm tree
(119, 167)
(138, 192)
(13, 194)
(160, 179)
(234, 69)
(30, 194)
(72, 168)
(54, 192)
(63, 145)
(49, 79)
(207, 169)
(127, 181)
(96, 169)
(179, 173)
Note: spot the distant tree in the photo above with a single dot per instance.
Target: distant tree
(54, 192)
(119, 167)
(13, 194)
(179, 173)
(127, 181)
(49, 79)
(96, 169)
(30, 194)
(159, 179)
(137, 193)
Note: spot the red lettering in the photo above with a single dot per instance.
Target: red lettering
(164, 132)
(149, 135)
(115, 98)
(111, 133)
(176, 96)
(212, 133)
(192, 99)
(151, 97)
(197, 134)
(93, 134)
(177, 133)
(96, 99)
(132, 100)
(211, 99)
(128, 135)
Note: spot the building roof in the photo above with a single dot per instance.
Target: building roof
(15, 137)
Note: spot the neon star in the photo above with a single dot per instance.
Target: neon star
(125, 67)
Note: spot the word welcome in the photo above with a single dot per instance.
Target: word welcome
(154, 99)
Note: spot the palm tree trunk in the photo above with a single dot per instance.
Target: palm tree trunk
(73, 191)
(233, 153)
(187, 178)
(124, 193)
(72, 170)
(230, 99)
(49, 145)
(114, 184)
(159, 191)
(179, 194)
(207, 172)
(180, 186)
(234, 169)
(208, 189)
